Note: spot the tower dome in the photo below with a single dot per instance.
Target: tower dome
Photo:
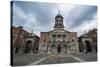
(59, 21)
(59, 16)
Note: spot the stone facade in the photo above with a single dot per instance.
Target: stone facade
(58, 40)
(31, 45)
(18, 38)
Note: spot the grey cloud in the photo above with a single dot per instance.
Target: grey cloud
(42, 12)
(80, 14)
(44, 15)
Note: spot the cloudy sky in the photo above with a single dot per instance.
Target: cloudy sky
(40, 17)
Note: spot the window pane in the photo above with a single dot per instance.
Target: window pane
(64, 35)
(59, 35)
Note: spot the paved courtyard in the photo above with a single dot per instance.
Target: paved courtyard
(25, 59)
(39, 59)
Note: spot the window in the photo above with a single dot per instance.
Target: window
(74, 44)
(59, 35)
(16, 50)
(53, 40)
(13, 37)
(64, 35)
(72, 40)
(43, 45)
(53, 45)
(44, 40)
(65, 45)
(74, 50)
(63, 40)
(53, 35)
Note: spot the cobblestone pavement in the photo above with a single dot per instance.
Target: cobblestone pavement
(31, 59)
(87, 56)
(81, 57)
(25, 59)
(58, 60)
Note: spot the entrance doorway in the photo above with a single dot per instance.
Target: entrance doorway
(16, 50)
(28, 46)
(88, 46)
(59, 48)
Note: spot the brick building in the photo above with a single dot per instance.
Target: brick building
(22, 40)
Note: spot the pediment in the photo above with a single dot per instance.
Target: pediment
(59, 30)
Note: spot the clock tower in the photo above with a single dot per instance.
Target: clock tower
(59, 22)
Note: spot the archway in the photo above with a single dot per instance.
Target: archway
(28, 46)
(88, 46)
